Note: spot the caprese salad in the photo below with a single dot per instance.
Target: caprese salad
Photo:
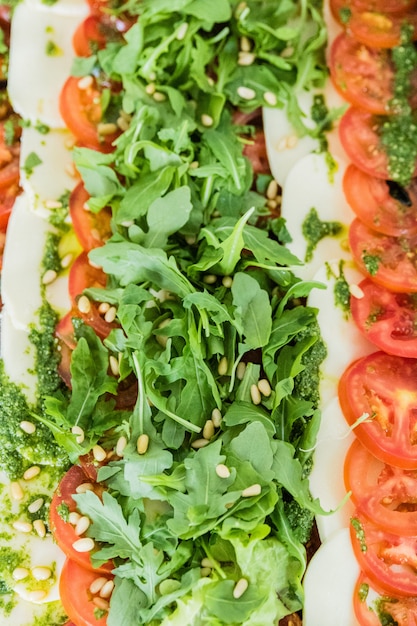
(181, 428)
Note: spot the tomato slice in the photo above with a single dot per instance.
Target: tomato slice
(63, 531)
(384, 494)
(380, 30)
(9, 156)
(387, 559)
(360, 136)
(389, 261)
(398, 610)
(82, 275)
(7, 199)
(382, 205)
(385, 388)
(92, 229)
(342, 8)
(81, 111)
(364, 76)
(387, 319)
(96, 31)
(78, 601)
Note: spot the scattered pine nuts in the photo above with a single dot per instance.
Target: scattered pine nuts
(246, 93)
(253, 490)
(159, 96)
(223, 366)
(97, 584)
(272, 190)
(40, 528)
(16, 491)
(85, 82)
(107, 589)
(255, 394)
(84, 487)
(121, 445)
(142, 444)
(99, 453)
(101, 603)
(74, 517)
(103, 307)
(216, 417)
(32, 472)
(36, 505)
(210, 279)
(82, 525)
(264, 387)
(66, 260)
(49, 277)
(41, 573)
(208, 430)
(206, 562)
(245, 44)
(270, 98)
(207, 120)
(240, 588)
(22, 527)
(20, 573)
(79, 432)
(182, 31)
(199, 443)
(106, 128)
(114, 365)
(227, 281)
(356, 291)
(245, 59)
(86, 544)
(240, 370)
(84, 304)
(37, 595)
(110, 316)
(222, 471)
(28, 427)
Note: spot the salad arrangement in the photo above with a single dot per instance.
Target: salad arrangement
(191, 360)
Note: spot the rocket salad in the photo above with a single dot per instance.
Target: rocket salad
(193, 364)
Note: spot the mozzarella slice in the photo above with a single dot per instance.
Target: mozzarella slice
(329, 584)
(61, 7)
(18, 356)
(309, 185)
(343, 340)
(25, 613)
(53, 176)
(41, 56)
(333, 441)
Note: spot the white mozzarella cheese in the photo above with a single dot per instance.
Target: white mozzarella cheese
(61, 7)
(310, 186)
(41, 56)
(344, 342)
(329, 584)
(326, 479)
(25, 613)
(18, 356)
(53, 176)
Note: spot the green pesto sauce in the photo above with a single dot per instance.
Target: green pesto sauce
(360, 534)
(371, 262)
(399, 131)
(51, 259)
(306, 383)
(314, 230)
(320, 114)
(341, 289)
(52, 49)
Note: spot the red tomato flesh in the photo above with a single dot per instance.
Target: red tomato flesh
(385, 388)
(387, 319)
(92, 229)
(389, 261)
(77, 599)
(384, 494)
(387, 559)
(370, 198)
(339, 7)
(380, 30)
(402, 610)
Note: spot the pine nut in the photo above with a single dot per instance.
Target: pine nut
(240, 370)
(40, 528)
(53, 204)
(86, 544)
(101, 603)
(41, 573)
(99, 453)
(227, 281)
(74, 518)
(82, 525)
(84, 304)
(240, 588)
(66, 260)
(253, 490)
(245, 44)
(199, 443)
(16, 491)
(49, 277)
(28, 427)
(107, 589)
(37, 595)
(103, 307)
(222, 471)
(36, 505)
(84, 487)
(106, 128)
(205, 571)
(114, 365)
(97, 584)
(182, 31)
(210, 279)
(32, 472)
(223, 366)
(264, 387)
(122, 123)
(208, 430)
(20, 573)
(216, 417)
(270, 98)
(121, 445)
(79, 432)
(272, 190)
(159, 97)
(246, 93)
(245, 59)
(356, 291)
(142, 444)
(207, 120)
(110, 316)
(22, 527)
(85, 82)
(255, 394)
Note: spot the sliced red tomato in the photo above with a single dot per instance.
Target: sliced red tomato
(64, 532)
(359, 133)
(384, 494)
(382, 205)
(9, 155)
(387, 559)
(7, 199)
(81, 111)
(83, 275)
(389, 261)
(387, 319)
(341, 9)
(380, 30)
(363, 75)
(401, 611)
(92, 229)
(76, 597)
(96, 31)
(385, 388)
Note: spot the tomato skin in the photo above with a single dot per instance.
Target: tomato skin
(363, 76)
(83, 275)
(88, 37)
(370, 199)
(75, 596)
(358, 132)
(389, 261)
(384, 387)
(64, 532)
(9, 157)
(380, 6)
(388, 560)
(387, 319)
(402, 610)
(91, 229)
(81, 112)
(384, 494)
(380, 30)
